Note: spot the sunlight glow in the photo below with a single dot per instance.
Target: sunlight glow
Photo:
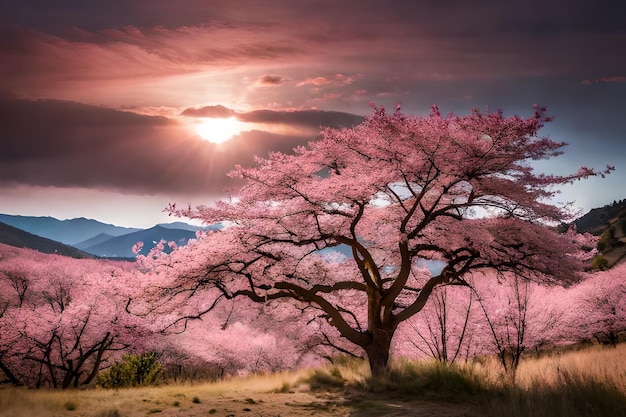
(218, 130)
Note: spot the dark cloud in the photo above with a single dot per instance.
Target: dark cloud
(269, 80)
(54, 128)
(297, 118)
(102, 14)
(453, 16)
(65, 144)
(218, 111)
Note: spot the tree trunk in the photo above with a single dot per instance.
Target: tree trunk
(378, 351)
(510, 361)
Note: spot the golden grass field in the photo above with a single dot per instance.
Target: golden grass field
(589, 382)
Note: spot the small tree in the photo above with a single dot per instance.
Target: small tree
(518, 315)
(394, 190)
(506, 315)
(445, 327)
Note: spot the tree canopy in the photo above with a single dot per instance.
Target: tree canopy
(397, 192)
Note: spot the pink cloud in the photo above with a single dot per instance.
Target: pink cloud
(613, 79)
(43, 65)
(314, 81)
(337, 80)
(344, 80)
(331, 96)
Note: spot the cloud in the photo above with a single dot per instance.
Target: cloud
(314, 81)
(613, 79)
(39, 64)
(270, 80)
(296, 118)
(67, 144)
(337, 80)
(218, 111)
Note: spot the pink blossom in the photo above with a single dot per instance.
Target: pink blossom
(137, 247)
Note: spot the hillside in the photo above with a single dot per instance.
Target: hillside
(596, 220)
(13, 236)
(609, 223)
(612, 241)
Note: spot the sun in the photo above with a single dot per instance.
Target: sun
(218, 130)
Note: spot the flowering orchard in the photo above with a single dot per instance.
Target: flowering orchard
(62, 344)
(601, 307)
(396, 191)
(61, 319)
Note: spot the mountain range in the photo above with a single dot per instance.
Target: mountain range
(69, 232)
(87, 237)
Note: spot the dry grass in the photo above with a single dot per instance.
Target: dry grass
(590, 382)
(599, 363)
(602, 364)
(587, 382)
(583, 383)
(265, 394)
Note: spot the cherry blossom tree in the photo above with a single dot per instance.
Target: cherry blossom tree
(62, 319)
(236, 338)
(601, 312)
(396, 189)
(517, 316)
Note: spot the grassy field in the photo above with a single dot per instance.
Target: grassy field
(589, 382)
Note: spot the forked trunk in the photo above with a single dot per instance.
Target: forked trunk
(378, 351)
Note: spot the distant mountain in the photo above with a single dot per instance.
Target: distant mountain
(121, 246)
(13, 236)
(93, 241)
(66, 231)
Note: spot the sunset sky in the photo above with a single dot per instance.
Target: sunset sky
(106, 105)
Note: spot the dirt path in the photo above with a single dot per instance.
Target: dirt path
(206, 401)
(302, 404)
(413, 409)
